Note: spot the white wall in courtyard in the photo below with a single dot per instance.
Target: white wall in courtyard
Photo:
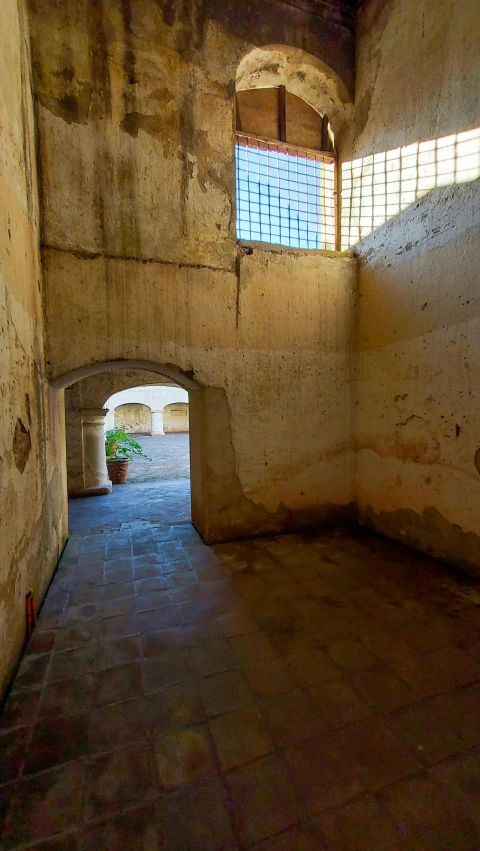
(155, 396)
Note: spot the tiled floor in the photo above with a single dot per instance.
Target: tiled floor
(286, 694)
(161, 501)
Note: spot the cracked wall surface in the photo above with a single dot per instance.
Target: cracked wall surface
(140, 257)
(417, 402)
(32, 490)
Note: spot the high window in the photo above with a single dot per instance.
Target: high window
(285, 171)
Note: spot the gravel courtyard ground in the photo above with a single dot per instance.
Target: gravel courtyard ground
(169, 454)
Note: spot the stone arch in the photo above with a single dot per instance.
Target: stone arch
(168, 370)
(302, 74)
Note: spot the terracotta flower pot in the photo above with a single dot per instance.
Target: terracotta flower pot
(117, 470)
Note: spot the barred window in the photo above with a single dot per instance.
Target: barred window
(285, 171)
(285, 195)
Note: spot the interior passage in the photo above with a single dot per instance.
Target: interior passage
(294, 692)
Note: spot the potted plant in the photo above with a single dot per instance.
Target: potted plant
(120, 448)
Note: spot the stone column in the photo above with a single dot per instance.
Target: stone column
(157, 422)
(95, 475)
(110, 420)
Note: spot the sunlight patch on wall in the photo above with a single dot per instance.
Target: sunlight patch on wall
(380, 186)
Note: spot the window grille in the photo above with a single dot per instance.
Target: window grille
(285, 194)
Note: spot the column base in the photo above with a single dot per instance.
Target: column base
(158, 433)
(96, 490)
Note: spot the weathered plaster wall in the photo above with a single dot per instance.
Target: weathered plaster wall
(418, 406)
(32, 505)
(274, 340)
(133, 417)
(175, 418)
(136, 118)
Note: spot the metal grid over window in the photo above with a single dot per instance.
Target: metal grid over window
(285, 195)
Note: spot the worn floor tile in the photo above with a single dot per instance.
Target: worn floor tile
(41, 806)
(293, 717)
(134, 831)
(117, 780)
(174, 708)
(361, 825)
(240, 737)
(57, 740)
(430, 816)
(183, 758)
(118, 724)
(263, 798)
(339, 703)
(431, 739)
(119, 683)
(196, 820)
(170, 661)
(224, 692)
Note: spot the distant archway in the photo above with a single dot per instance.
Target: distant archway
(134, 417)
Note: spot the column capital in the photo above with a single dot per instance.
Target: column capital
(93, 413)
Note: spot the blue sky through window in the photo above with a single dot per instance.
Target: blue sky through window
(284, 198)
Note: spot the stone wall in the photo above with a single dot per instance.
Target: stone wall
(175, 418)
(133, 417)
(32, 492)
(136, 139)
(417, 401)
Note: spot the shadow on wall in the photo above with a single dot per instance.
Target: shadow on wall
(380, 186)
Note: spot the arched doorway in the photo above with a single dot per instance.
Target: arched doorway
(157, 490)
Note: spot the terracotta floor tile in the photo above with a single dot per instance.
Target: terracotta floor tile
(71, 663)
(339, 703)
(174, 708)
(117, 780)
(352, 656)
(118, 724)
(381, 689)
(272, 640)
(240, 737)
(164, 670)
(32, 671)
(420, 726)
(293, 717)
(212, 658)
(66, 697)
(311, 667)
(361, 825)
(56, 741)
(322, 773)
(430, 816)
(183, 758)
(461, 775)
(460, 709)
(117, 652)
(294, 839)
(134, 831)
(196, 820)
(12, 752)
(20, 708)
(43, 805)
(437, 671)
(263, 798)
(224, 692)
(119, 683)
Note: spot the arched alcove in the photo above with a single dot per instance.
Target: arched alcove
(175, 418)
(302, 74)
(289, 106)
(134, 417)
